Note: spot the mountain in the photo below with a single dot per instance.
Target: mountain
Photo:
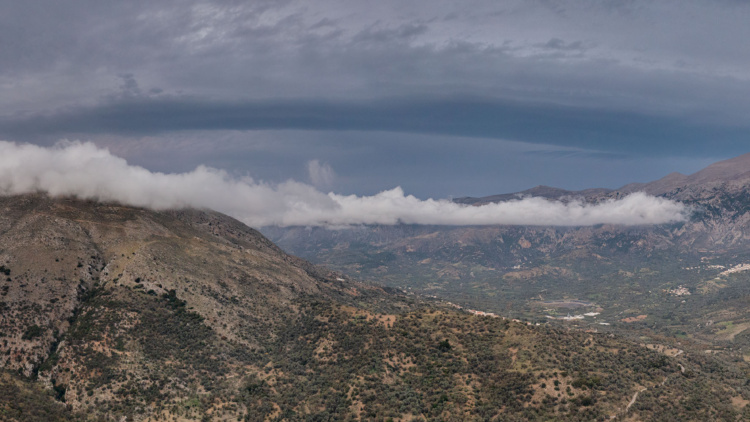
(110, 312)
(538, 191)
(59, 254)
(617, 272)
(104, 302)
(735, 171)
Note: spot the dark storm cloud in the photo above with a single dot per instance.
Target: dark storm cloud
(646, 56)
(623, 132)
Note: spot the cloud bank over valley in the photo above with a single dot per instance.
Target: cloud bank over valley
(85, 171)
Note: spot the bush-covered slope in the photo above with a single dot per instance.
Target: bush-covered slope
(112, 312)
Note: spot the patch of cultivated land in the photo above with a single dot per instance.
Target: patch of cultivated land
(731, 330)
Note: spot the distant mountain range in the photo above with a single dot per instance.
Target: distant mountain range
(733, 172)
(622, 271)
(719, 195)
(539, 191)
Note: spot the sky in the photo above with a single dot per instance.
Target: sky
(441, 99)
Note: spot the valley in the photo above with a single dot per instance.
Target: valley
(683, 282)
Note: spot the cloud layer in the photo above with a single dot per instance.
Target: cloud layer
(86, 171)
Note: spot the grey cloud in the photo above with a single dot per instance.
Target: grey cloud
(129, 85)
(582, 127)
(558, 44)
(402, 33)
(251, 50)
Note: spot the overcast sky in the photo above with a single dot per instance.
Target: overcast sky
(442, 98)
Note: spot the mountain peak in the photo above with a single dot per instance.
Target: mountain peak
(733, 169)
(723, 170)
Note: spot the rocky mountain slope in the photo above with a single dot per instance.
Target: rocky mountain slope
(621, 272)
(99, 284)
(57, 254)
(116, 313)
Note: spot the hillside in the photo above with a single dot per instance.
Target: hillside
(112, 312)
(681, 280)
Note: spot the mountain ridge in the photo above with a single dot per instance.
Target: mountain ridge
(734, 170)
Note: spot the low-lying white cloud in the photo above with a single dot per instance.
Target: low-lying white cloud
(86, 171)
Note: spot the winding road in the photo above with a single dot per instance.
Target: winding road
(635, 395)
